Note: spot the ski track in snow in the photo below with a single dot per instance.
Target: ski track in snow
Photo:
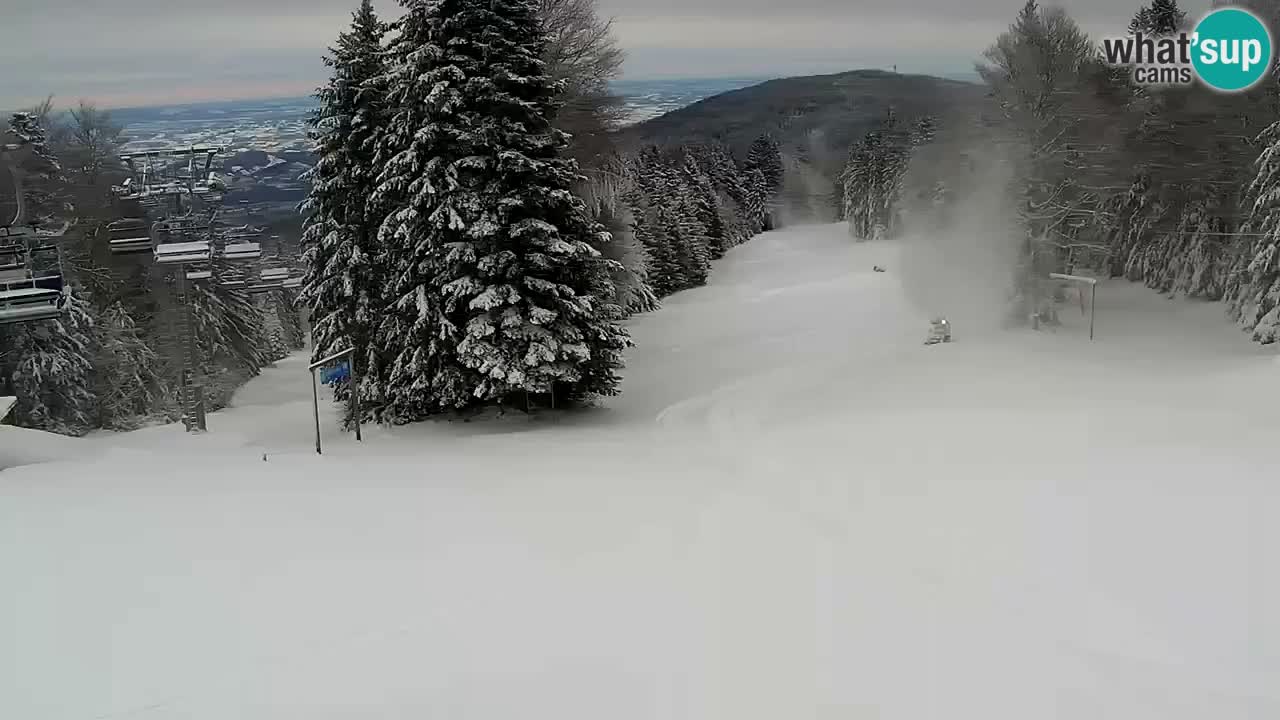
(794, 510)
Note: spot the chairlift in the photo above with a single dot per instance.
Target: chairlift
(129, 236)
(178, 253)
(275, 278)
(30, 291)
(242, 251)
(232, 278)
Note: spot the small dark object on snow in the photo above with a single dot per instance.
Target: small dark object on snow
(264, 457)
(877, 268)
(939, 332)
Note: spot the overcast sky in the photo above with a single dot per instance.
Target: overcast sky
(131, 52)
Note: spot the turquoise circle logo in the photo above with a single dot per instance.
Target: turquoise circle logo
(1232, 49)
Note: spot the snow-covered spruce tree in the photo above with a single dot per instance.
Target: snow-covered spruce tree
(756, 202)
(898, 142)
(1161, 17)
(766, 155)
(1040, 72)
(672, 190)
(231, 342)
(272, 329)
(50, 363)
(689, 235)
(44, 182)
(875, 175)
(730, 185)
(605, 195)
(413, 344)
(707, 207)
(343, 283)
(860, 186)
(651, 218)
(631, 277)
(498, 295)
(1190, 259)
(1253, 294)
(126, 371)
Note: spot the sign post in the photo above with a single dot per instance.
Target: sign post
(1093, 293)
(338, 367)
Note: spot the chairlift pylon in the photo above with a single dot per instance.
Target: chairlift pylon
(9, 158)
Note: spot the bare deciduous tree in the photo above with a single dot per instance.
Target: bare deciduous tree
(92, 139)
(583, 54)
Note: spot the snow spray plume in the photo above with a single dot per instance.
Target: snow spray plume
(808, 187)
(961, 235)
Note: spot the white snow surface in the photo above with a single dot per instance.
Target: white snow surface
(796, 510)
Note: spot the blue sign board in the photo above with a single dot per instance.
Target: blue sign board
(337, 373)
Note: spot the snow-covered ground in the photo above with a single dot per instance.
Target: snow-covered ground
(794, 511)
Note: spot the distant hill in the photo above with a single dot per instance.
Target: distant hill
(818, 116)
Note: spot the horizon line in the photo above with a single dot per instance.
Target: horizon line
(746, 77)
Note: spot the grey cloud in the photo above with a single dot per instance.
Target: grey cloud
(994, 10)
(73, 47)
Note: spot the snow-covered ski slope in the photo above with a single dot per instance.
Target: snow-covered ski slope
(795, 511)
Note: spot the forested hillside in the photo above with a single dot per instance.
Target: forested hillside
(814, 120)
(113, 358)
(1169, 186)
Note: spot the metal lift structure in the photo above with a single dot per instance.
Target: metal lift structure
(32, 287)
(174, 199)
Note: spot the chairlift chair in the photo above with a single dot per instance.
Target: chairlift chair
(275, 278)
(180, 253)
(241, 251)
(29, 292)
(233, 278)
(129, 236)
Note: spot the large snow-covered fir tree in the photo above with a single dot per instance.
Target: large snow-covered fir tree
(765, 155)
(343, 283)
(50, 364)
(497, 294)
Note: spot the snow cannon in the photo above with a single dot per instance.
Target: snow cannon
(939, 331)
